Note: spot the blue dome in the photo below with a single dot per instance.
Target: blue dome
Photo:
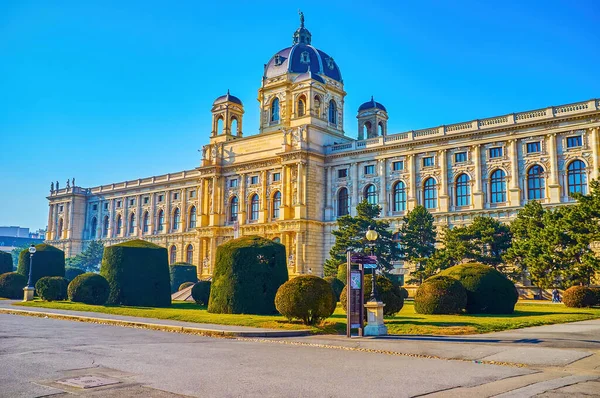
(228, 97)
(371, 105)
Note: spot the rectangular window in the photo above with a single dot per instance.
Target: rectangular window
(370, 169)
(192, 193)
(146, 200)
(496, 152)
(60, 208)
(428, 161)
(105, 206)
(131, 202)
(119, 203)
(176, 196)
(276, 177)
(233, 183)
(397, 166)
(161, 198)
(253, 180)
(575, 141)
(94, 207)
(342, 173)
(460, 157)
(533, 147)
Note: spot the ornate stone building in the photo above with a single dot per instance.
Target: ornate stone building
(301, 171)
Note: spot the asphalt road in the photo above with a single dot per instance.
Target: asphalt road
(37, 351)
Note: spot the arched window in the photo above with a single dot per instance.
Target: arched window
(189, 254)
(317, 105)
(233, 209)
(146, 223)
(399, 192)
(367, 129)
(119, 225)
(161, 220)
(301, 107)
(176, 219)
(220, 125)
(234, 126)
(276, 204)
(577, 177)
(342, 203)
(59, 230)
(132, 224)
(380, 128)
(254, 207)
(430, 193)
(192, 222)
(173, 255)
(463, 190)
(275, 110)
(93, 228)
(498, 186)
(371, 194)
(105, 227)
(332, 112)
(535, 183)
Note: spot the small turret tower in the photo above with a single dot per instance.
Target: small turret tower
(227, 113)
(372, 120)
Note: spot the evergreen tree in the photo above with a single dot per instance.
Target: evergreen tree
(88, 260)
(417, 237)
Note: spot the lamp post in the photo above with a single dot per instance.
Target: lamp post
(29, 289)
(372, 236)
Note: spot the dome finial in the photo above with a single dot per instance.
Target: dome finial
(301, 18)
(372, 100)
(302, 35)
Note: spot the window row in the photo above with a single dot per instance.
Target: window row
(189, 254)
(254, 207)
(301, 109)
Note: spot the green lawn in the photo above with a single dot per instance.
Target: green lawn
(406, 322)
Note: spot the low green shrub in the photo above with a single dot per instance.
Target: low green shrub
(72, 272)
(596, 291)
(201, 292)
(336, 285)
(579, 296)
(89, 288)
(6, 262)
(342, 273)
(180, 273)
(440, 295)
(306, 297)
(52, 288)
(185, 285)
(387, 292)
(11, 285)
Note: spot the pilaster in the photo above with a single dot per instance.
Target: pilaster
(443, 182)
(553, 185)
(478, 195)
(514, 196)
(411, 200)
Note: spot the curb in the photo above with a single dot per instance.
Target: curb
(157, 326)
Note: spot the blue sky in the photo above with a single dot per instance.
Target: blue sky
(106, 91)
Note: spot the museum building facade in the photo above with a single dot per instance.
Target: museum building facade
(293, 179)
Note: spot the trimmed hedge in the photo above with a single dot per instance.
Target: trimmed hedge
(596, 291)
(387, 292)
(306, 297)
(52, 288)
(180, 273)
(185, 285)
(342, 273)
(440, 295)
(201, 292)
(336, 285)
(11, 285)
(488, 291)
(72, 272)
(6, 262)
(89, 288)
(137, 273)
(404, 293)
(47, 261)
(579, 296)
(248, 272)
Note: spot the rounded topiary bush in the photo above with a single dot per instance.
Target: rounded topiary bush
(6, 262)
(336, 285)
(306, 297)
(387, 292)
(488, 291)
(89, 288)
(137, 273)
(579, 296)
(596, 291)
(52, 288)
(11, 285)
(47, 261)
(185, 285)
(72, 272)
(440, 295)
(201, 292)
(342, 273)
(248, 272)
(182, 272)
(404, 293)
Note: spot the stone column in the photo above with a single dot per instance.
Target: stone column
(242, 200)
(514, 196)
(328, 204)
(71, 215)
(411, 200)
(477, 192)
(595, 163)
(443, 182)
(300, 194)
(167, 213)
(99, 220)
(284, 210)
(383, 199)
(355, 200)
(299, 265)
(553, 184)
(111, 218)
(264, 214)
(50, 220)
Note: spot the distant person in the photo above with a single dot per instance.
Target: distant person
(555, 296)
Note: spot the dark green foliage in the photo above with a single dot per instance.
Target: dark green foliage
(11, 285)
(306, 297)
(89, 288)
(52, 288)
(185, 285)
(47, 261)
(201, 292)
(72, 272)
(440, 295)
(6, 263)
(182, 272)
(89, 260)
(342, 273)
(418, 237)
(138, 274)
(488, 291)
(579, 296)
(596, 291)
(404, 293)
(387, 292)
(336, 286)
(248, 272)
